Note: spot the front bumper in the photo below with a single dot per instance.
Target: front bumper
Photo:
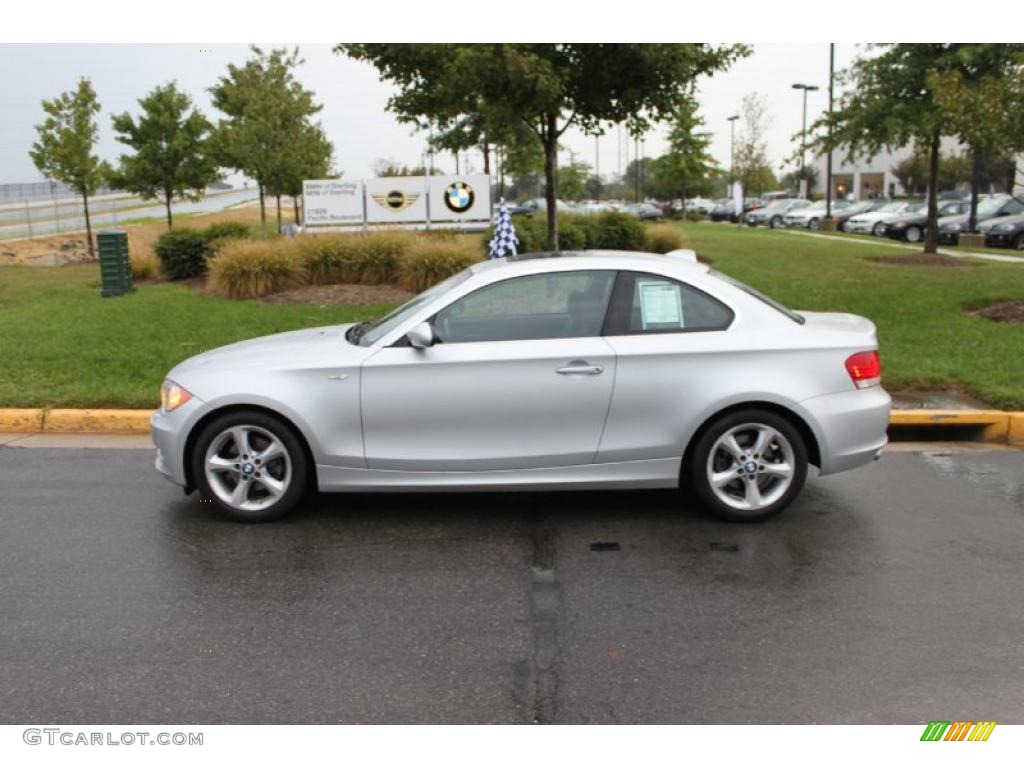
(1001, 239)
(861, 227)
(949, 238)
(170, 431)
(851, 427)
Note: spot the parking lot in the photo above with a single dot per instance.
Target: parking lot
(884, 595)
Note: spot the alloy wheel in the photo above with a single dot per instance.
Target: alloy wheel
(248, 467)
(913, 234)
(750, 466)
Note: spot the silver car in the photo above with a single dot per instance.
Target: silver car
(546, 371)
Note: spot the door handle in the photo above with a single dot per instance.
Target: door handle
(580, 368)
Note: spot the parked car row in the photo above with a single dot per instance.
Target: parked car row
(907, 220)
(643, 211)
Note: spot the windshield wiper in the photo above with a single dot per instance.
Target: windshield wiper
(353, 334)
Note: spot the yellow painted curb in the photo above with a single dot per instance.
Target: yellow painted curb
(1015, 434)
(21, 419)
(995, 425)
(111, 421)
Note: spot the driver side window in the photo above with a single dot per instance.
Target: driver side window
(556, 305)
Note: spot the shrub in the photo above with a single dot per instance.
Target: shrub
(182, 253)
(328, 259)
(377, 256)
(428, 263)
(144, 265)
(533, 233)
(227, 230)
(662, 238)
(245, 269)
(615, 231)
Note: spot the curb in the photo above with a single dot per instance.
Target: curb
(991, 426)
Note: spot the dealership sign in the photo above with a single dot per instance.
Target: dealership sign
(413, 201)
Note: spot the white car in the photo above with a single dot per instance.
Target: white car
(596, 369)
(811, 216)
(874, 222)
(700, 205)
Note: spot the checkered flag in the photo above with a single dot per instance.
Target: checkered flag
(504, 242)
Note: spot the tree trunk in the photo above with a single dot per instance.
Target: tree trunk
(263, 205)
(167, 204)
(931, 238)
(278, 198)
(972, 222)
(456, 154)
(550, 142)
(88, 226)
(487, 158)
(295, 208)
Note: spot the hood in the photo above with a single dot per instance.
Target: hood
(910, 218)
(988, 224)
(280, 350)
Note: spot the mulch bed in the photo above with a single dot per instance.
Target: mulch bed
(925, 260)
(1003, 311)
(351, 295)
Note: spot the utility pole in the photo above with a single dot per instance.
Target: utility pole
(597, 163)
(636, 170)
(732, 147)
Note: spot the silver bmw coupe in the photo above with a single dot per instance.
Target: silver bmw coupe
(592, 369)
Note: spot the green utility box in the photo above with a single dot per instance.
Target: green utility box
(115, 266)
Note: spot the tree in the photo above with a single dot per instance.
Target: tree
(572, 179)
(890, 103)
(268, 112)
(791, 181)
(687, 168)
(548, 87)
(752, 168)
(171, 148)
(386, 167)
(311, 157)
(637, 176)
(63, 150)
(980, 95)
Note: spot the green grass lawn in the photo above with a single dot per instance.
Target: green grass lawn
(64, 345)
(927, 340)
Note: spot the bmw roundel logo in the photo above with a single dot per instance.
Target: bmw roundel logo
(459, 197)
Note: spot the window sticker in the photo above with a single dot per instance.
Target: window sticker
(661, 306)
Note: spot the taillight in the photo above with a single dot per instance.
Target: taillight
(865, 368)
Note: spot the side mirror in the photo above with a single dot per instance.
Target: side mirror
(421, 336)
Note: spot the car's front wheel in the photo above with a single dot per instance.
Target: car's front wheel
(814, 224)
(1019, 242)
(879, 229)
(776, 222)
(747, 465)
(913, 234)
(251, 465)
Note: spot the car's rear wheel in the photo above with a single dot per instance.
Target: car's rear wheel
(879, 229)
(776, 222)
(913, 234)
(814, 224)
(1019, 242)
(251, 465)
(748, 465)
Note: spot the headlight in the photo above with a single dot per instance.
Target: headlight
(172, 396)
(953, 227)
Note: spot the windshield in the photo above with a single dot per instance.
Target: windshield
(915, 207)
(366, 334)
(760, 296)
(890, 208)
(990, 207)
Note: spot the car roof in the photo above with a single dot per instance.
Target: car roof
(626, 259)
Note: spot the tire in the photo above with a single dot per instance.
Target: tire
(879, 229)
(814, 224)
(1019, 242)
(250, 449)
(776, 222)
(913, 234)
(770, 491)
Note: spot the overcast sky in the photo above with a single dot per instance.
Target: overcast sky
(354, 99)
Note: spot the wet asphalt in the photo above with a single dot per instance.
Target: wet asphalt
(890, 594)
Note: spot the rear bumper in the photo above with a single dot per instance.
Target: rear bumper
(851, 427)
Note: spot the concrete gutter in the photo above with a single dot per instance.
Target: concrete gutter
(991, 426)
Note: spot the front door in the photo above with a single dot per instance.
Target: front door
(519, 378)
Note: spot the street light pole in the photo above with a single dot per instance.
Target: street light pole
(828, 168)
(803, 129)
(732, 147)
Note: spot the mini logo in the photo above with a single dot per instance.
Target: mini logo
(396, 200)
(959, 730)
(459, 197)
